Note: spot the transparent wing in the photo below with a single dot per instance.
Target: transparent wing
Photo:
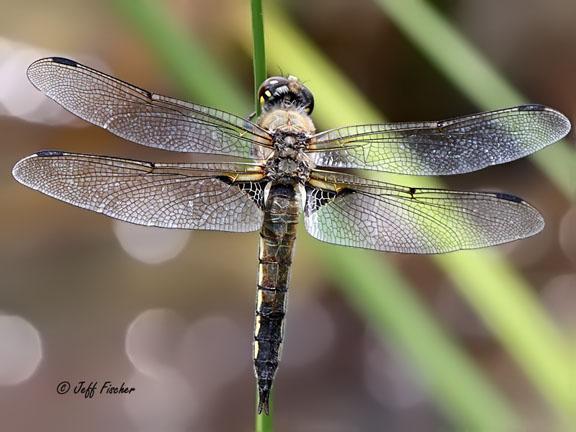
(189, 196)
(351, 211)
(453, 146)
(143, 117)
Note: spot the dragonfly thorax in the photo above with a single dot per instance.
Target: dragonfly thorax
(288, 162)
(290, 130)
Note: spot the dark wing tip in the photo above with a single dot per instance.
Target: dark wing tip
(565, 122)
(561, 122)
(17, 172)
(20, 171)
(532, 220)
(35, 74)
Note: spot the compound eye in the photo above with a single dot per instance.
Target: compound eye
(308, 100)
(265, 93)
(268, 90)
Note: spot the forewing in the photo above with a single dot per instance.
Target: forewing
(445, 147)
(143, 117)
(188, 196)
(351, 211)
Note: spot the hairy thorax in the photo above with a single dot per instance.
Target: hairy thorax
(291, 130)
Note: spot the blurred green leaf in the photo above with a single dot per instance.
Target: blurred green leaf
(263, 421)
(186, 59)
(388, 302)
(474, 76)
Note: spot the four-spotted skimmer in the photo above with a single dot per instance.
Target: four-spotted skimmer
(294, 169)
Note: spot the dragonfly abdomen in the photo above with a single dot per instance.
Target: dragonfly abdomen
(277, 239)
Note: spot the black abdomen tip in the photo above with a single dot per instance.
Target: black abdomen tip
(49, 153)
(264, 397)
(64, 61)
(509, 197)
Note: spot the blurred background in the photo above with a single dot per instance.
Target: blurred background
(480, 341)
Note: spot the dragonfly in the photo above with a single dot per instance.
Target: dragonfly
(283, 167)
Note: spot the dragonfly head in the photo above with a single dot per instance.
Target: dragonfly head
(285, 92)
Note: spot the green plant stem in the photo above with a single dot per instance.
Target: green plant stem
(263, 422)
(258, 49)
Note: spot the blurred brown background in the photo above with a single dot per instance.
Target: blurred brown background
(85, 298)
